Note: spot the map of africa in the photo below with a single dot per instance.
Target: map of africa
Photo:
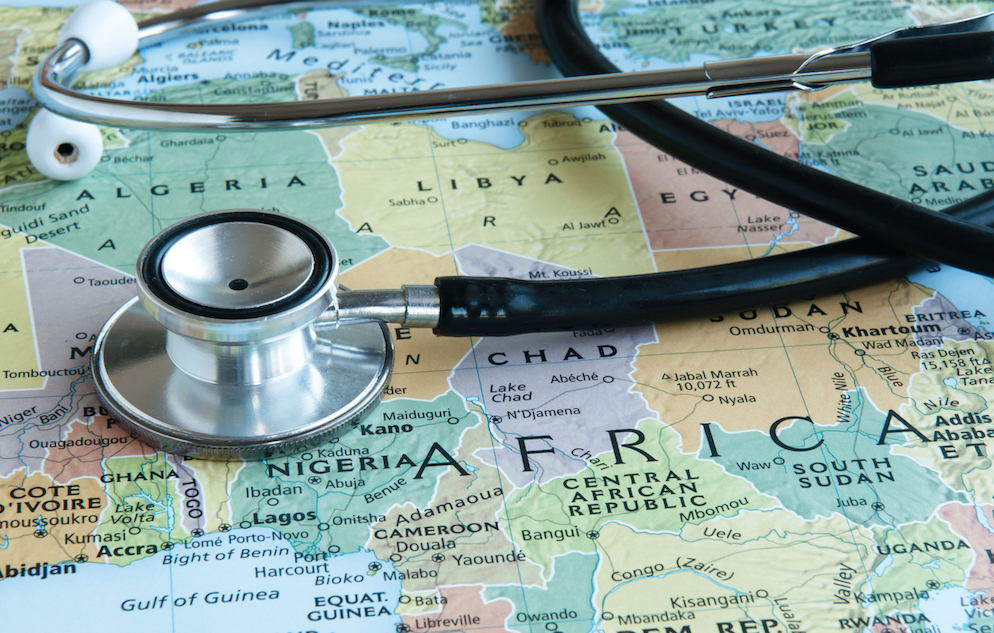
(816, 466)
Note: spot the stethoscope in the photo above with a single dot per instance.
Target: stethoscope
(255, 350)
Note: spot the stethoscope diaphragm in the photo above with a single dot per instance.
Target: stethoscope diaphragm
(226, 352)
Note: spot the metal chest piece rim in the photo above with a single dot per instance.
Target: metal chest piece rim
(225, 352)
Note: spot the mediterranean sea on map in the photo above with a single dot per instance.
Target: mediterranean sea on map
(815, 466)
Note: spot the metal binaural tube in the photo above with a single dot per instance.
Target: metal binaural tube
(410, 306)
(54, 78)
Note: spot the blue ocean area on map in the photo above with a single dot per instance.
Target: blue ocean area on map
(15, 106)
(960, 288)
(943, 608)
(701, 106)
(245, 577)
(255, 47)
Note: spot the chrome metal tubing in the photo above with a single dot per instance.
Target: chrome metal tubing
(54, 80)
(411, 306)
(241, 363)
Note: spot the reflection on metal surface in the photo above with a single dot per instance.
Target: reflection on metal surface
(170, 408)
(219, 354)
(268, 264)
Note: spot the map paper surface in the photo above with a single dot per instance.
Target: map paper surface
(816, 466)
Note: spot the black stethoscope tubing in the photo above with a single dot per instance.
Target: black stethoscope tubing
(817, 194)
(487, 306)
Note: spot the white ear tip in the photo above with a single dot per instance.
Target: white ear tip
(61, 148)
(108, 31)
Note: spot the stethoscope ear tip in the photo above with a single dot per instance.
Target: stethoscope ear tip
(108, 31)
(61, 148)
(64, 149)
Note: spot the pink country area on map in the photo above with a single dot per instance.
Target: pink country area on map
(684, 208)
(84, 448)
(963, 520)
(463, 609)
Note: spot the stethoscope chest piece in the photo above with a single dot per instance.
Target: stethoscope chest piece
(231, 347)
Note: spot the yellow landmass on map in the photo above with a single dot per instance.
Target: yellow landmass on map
(949, 398)
(561, 196)
(965, 106)
(884, 371)
(8, 46)
(148, 501)
(39, 30)
(690, 388)
(423, 361)
(15, 168)
(928, 12)
(729, 570)
(320, 84)
(418, 602)
(45, 522)
(113, 139)
(743, 370)
(17, 344)
(468, 508)
(817, 121)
